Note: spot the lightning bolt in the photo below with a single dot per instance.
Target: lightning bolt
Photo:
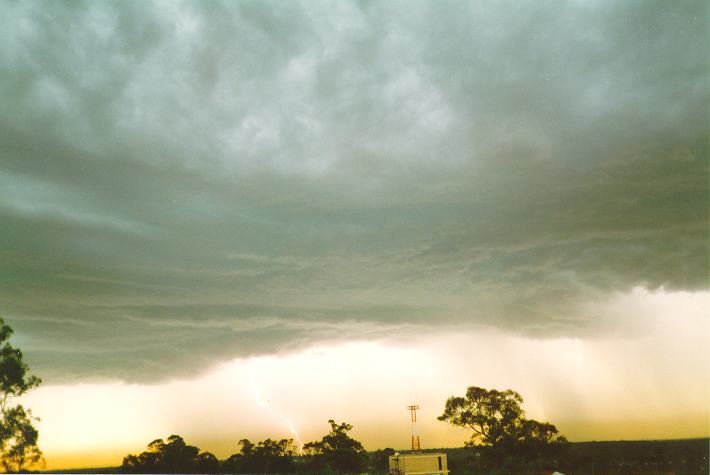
(256, 390)
(295, 436)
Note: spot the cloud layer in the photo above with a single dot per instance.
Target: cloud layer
(184, 182)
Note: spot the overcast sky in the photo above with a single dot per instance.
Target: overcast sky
(188, 184)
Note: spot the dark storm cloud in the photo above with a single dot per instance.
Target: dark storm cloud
(182, 183)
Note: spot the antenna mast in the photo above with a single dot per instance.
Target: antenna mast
(415, 436)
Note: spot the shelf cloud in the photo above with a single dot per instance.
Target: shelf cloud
(183, 183)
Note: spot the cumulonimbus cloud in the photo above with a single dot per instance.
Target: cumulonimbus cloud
(189, 182)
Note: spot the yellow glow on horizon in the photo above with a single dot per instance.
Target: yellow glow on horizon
(650, 382)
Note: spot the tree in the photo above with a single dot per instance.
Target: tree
(337, 451)
(500, 430)
(379, 460)
(206, 462)
(18, 436)
(170, 456)
(492, 415)
(267, 456)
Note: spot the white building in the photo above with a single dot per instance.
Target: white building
(430, 463)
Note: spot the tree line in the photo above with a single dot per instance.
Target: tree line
(336, 453)
(620, 457)
(502, 440)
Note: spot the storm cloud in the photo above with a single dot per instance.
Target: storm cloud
(186, 182)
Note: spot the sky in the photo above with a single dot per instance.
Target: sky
(235, 219)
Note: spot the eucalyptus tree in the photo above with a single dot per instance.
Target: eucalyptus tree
(18, 435)
(500, 432)
(338, 452)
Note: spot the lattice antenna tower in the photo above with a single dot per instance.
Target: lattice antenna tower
(416, 447)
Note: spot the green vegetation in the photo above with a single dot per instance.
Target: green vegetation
(18, 436)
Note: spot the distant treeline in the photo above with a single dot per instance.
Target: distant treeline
(336, 453)
(647, 457)
(662, 457)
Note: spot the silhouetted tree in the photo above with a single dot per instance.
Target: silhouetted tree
(267, 456)
(171, 456)
(19, 440)
(337, 451)
(502, 436)
(379, 460)
(18, 436)
(206, 462)
(272, 456)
